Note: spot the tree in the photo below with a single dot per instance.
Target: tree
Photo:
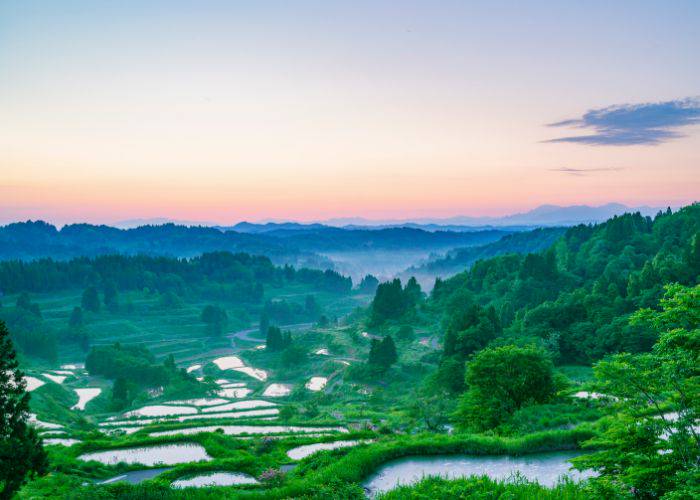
(264, 322)
(120, 393)
(24, 302)
(76, 318)
(368, 284)
(501, 380)
(111, 297)
(382, 353)
(412, 292)
(215, 318)
(276, 340)
(311, 307)
(389, 302)
(653, 445)
(21, 452)
(91, 300)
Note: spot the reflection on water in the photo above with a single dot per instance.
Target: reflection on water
(215, 479)
(169, 454)
(136, 476)
(545, 468)
(304, 451)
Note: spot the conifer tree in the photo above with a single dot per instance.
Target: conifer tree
(21, 451)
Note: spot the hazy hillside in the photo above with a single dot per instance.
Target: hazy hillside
(459, 259)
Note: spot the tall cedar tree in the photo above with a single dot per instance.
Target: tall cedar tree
(21, 451)
(382, 353)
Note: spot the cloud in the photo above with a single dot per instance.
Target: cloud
(584, 171)
(633, 124)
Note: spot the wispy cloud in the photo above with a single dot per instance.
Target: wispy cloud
(633, 124)
(584, 171)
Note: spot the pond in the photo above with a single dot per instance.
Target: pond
(304, 451)
(545, 468)
(85, 396)
(215, 479)
(168, 454)
(136, 476)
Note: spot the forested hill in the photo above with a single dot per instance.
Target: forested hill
(576, 297)
(124, 287)
(222, 272)
(320, 238)
(31, 240)
(461, 258)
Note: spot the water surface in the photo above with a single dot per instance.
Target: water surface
(168, 454)
(85, 396)
(304, 451)
(545, 468)
(234, 430)
(316, 383)
(136, 476)
(215, 479)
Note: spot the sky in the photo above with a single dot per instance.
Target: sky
(225, 111)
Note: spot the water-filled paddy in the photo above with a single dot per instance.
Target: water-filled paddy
(198, 402)
(161, 411)
(233, 392)
(85, 396)
(304, 451)
(545, 468)
(240, 405)
(136, 476)
(228, 362)
(238, 414)
(59, 379)
(277, 390)
(215, 479)
(167, 454)
(235, 430)
(316, 383)
(33, 383)
(61, 441)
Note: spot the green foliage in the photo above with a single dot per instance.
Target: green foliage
(368, 284)
(215, 318)
(392, 302)
(91, 300)
(382, 353)
(111, 297)
(576, 297)
(133, 363)
(485, 488)
(502, 380)
(276, 340)
(653, 444)
(21, 453)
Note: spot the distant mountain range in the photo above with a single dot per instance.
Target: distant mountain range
(542, 216)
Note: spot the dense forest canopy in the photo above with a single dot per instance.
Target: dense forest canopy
(575, 298)
(32, 240)
(460, 258)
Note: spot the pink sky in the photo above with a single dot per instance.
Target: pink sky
(247, 112)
